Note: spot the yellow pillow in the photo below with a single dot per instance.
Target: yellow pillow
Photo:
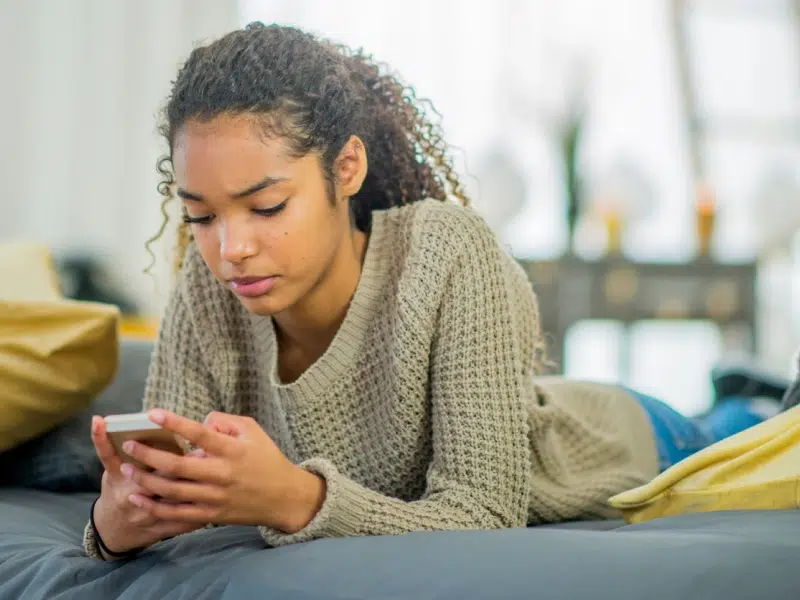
(756, 469)
(55, 354)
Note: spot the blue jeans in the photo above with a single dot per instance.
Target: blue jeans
(678, 437)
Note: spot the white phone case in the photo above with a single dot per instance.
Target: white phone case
(136, 426)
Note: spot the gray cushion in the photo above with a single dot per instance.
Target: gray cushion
(712, 556)
(64, 458)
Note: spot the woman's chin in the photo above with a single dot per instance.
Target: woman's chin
(265, 306)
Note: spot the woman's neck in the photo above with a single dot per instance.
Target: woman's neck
(306, 330)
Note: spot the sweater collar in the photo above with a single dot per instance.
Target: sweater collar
(349, 340)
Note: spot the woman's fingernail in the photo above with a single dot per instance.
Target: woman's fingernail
(128, 446)
(127, 470)
(95, 424)
(134, 499)
(157, 416)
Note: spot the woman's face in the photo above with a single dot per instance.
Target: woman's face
(264, 222)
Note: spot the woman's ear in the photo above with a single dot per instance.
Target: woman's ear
(350, 168)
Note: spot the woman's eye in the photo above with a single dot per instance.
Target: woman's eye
(197, 220)
(272, 210)
(264, 212)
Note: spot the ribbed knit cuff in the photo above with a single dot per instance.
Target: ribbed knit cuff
(346, 507)
(90, 543)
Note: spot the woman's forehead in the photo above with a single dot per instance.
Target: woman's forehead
(228, 133)
(227, 144)
(220, 158)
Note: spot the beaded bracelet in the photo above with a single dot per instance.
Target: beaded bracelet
(101, 544)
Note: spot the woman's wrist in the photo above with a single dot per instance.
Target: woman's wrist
(105, 552)
(305, 497)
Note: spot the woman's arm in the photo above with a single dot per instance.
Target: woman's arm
(481, 359)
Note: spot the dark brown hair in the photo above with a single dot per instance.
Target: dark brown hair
(316, 95)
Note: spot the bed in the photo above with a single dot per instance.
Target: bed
(712, 556)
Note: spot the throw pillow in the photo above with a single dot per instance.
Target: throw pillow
(64, 459)
(55, 354)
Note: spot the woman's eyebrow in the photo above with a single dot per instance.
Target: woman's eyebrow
(263, 184)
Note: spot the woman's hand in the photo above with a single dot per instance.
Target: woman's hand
(243, 477)
(122, 525)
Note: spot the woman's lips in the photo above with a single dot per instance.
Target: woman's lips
(251, 287)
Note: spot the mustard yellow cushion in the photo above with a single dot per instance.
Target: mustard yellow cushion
(55, 354)
(757, 469)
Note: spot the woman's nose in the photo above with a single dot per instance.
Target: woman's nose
(236, 243)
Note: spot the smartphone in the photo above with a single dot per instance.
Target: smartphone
(137, 427)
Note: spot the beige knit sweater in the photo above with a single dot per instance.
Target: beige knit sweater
(424, 412)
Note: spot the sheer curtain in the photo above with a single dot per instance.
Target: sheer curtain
(82, 82)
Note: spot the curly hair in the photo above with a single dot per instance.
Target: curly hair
(316, 95)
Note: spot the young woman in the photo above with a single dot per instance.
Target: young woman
(349, 350)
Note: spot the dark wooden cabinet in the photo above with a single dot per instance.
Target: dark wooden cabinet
(572, 290)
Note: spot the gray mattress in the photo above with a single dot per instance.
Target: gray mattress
(716, 556)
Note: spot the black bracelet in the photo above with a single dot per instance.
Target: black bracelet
(101, 544)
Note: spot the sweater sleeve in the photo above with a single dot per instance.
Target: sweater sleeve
(479, 477)
(176, 351)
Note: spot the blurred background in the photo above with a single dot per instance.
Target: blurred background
(640, 157)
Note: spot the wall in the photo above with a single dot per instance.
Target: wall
(82, 83)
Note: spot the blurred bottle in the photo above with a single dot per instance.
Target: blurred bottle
(705, 219)
(612, 215)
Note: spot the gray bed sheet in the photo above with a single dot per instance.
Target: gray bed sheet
(714, 556)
